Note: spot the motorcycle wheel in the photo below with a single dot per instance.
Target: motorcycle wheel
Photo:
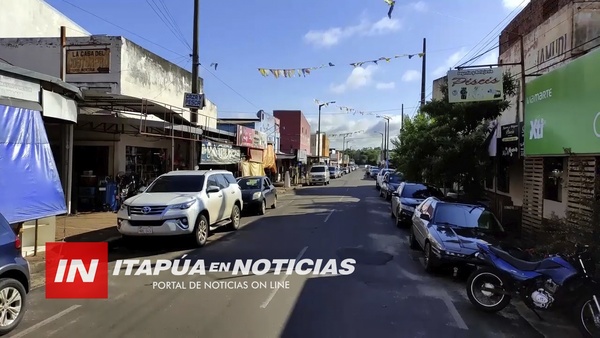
(490, 279)
(587, 316)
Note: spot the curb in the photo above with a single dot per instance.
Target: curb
(38, 267)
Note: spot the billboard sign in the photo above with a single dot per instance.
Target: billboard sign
(475, 85)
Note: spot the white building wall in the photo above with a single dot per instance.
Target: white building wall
(22, 18)
(133, 71)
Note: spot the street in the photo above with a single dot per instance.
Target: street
(389, 294)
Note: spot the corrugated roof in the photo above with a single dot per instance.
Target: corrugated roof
(26, 73)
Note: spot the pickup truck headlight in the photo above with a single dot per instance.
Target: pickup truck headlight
(183, 206)
(256, 195)
(124, 206)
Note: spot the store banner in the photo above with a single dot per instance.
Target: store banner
(218, 153)
(509, 141)
(245, 136)
(561, 109)
(475, 85)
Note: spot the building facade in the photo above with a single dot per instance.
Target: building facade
(21, 18)
(554, 33)
(295, 132)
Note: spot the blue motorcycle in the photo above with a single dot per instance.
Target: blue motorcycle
(556, 282)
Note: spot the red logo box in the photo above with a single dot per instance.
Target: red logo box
(77, 270)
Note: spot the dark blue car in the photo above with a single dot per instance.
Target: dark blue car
(390, 183)
(14, 279)
(448, 232)
(406, 198)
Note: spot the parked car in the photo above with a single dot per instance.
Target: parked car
(258, 192)
(407, 197)
(390, 183)
(372, 173)
(448, 233)
(185, 202)
(379, 177)
(334, 172)
(318, 174)
(14, 278)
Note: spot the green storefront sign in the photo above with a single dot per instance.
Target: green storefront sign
(562, 109)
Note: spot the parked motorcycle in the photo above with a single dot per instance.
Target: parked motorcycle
(556, 282)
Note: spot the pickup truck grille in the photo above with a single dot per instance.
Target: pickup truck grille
(154, 210)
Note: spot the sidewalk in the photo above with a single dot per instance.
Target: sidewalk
(89, 227)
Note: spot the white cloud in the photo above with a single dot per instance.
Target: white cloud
(338, 123)
(385, 85)
(360, 77)
(419, 6)
(411, 75)
(334, 35)
(512, 4)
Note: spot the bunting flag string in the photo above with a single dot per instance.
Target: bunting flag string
(353, 111)
(291, 72)
(214, 65)
(390, 3)
(386, 59)
(346, 134)
(326, 104)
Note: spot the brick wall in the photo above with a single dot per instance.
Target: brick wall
(529, 19)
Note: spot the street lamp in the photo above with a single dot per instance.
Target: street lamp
(382, 136)
(321, 105)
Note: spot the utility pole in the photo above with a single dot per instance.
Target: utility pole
(423, 71)
(387, 143)
(321, 105)
(402, 124)
(522, 78)
(195, 64)
(69, 130)
(343, 144)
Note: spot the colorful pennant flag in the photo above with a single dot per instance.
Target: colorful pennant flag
(292, 72)
(386, 59)
(353, 111)
(346, 134)
(214, 65)
(390, 3)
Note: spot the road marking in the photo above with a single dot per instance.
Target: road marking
(46, 321)
(328, 215)
(285, 276)
(454, 312)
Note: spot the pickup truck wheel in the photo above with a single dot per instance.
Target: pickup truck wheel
(235, 217)
(201, 230)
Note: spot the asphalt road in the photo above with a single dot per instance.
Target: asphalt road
(389, 294)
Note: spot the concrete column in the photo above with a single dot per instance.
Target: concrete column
(67, 163)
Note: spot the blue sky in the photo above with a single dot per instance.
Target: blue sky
(242, 36)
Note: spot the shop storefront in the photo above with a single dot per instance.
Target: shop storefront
(35, 167)
(562, 142)
(216, 155)
(253, 146)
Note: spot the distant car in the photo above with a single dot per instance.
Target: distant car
(379, 177)
(390, 183)
(407, 197)
(14, 278)
(334, 172)
(448, 233)
(372, 173)
(258, 193)
(318, 174)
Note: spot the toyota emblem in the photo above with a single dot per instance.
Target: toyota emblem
(146, 210)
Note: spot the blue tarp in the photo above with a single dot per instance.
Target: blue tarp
(30, 186)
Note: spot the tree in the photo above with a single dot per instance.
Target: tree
(445, 142)
(364, 155)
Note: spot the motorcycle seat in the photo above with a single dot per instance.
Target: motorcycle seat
(517, 263)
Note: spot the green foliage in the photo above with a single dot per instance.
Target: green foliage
(364, 155)
(445, 142)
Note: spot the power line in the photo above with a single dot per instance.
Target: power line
(228, 86)
(493, 29)
(164, 17)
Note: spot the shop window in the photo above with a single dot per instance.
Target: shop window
(503, 176)
(553, 169)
